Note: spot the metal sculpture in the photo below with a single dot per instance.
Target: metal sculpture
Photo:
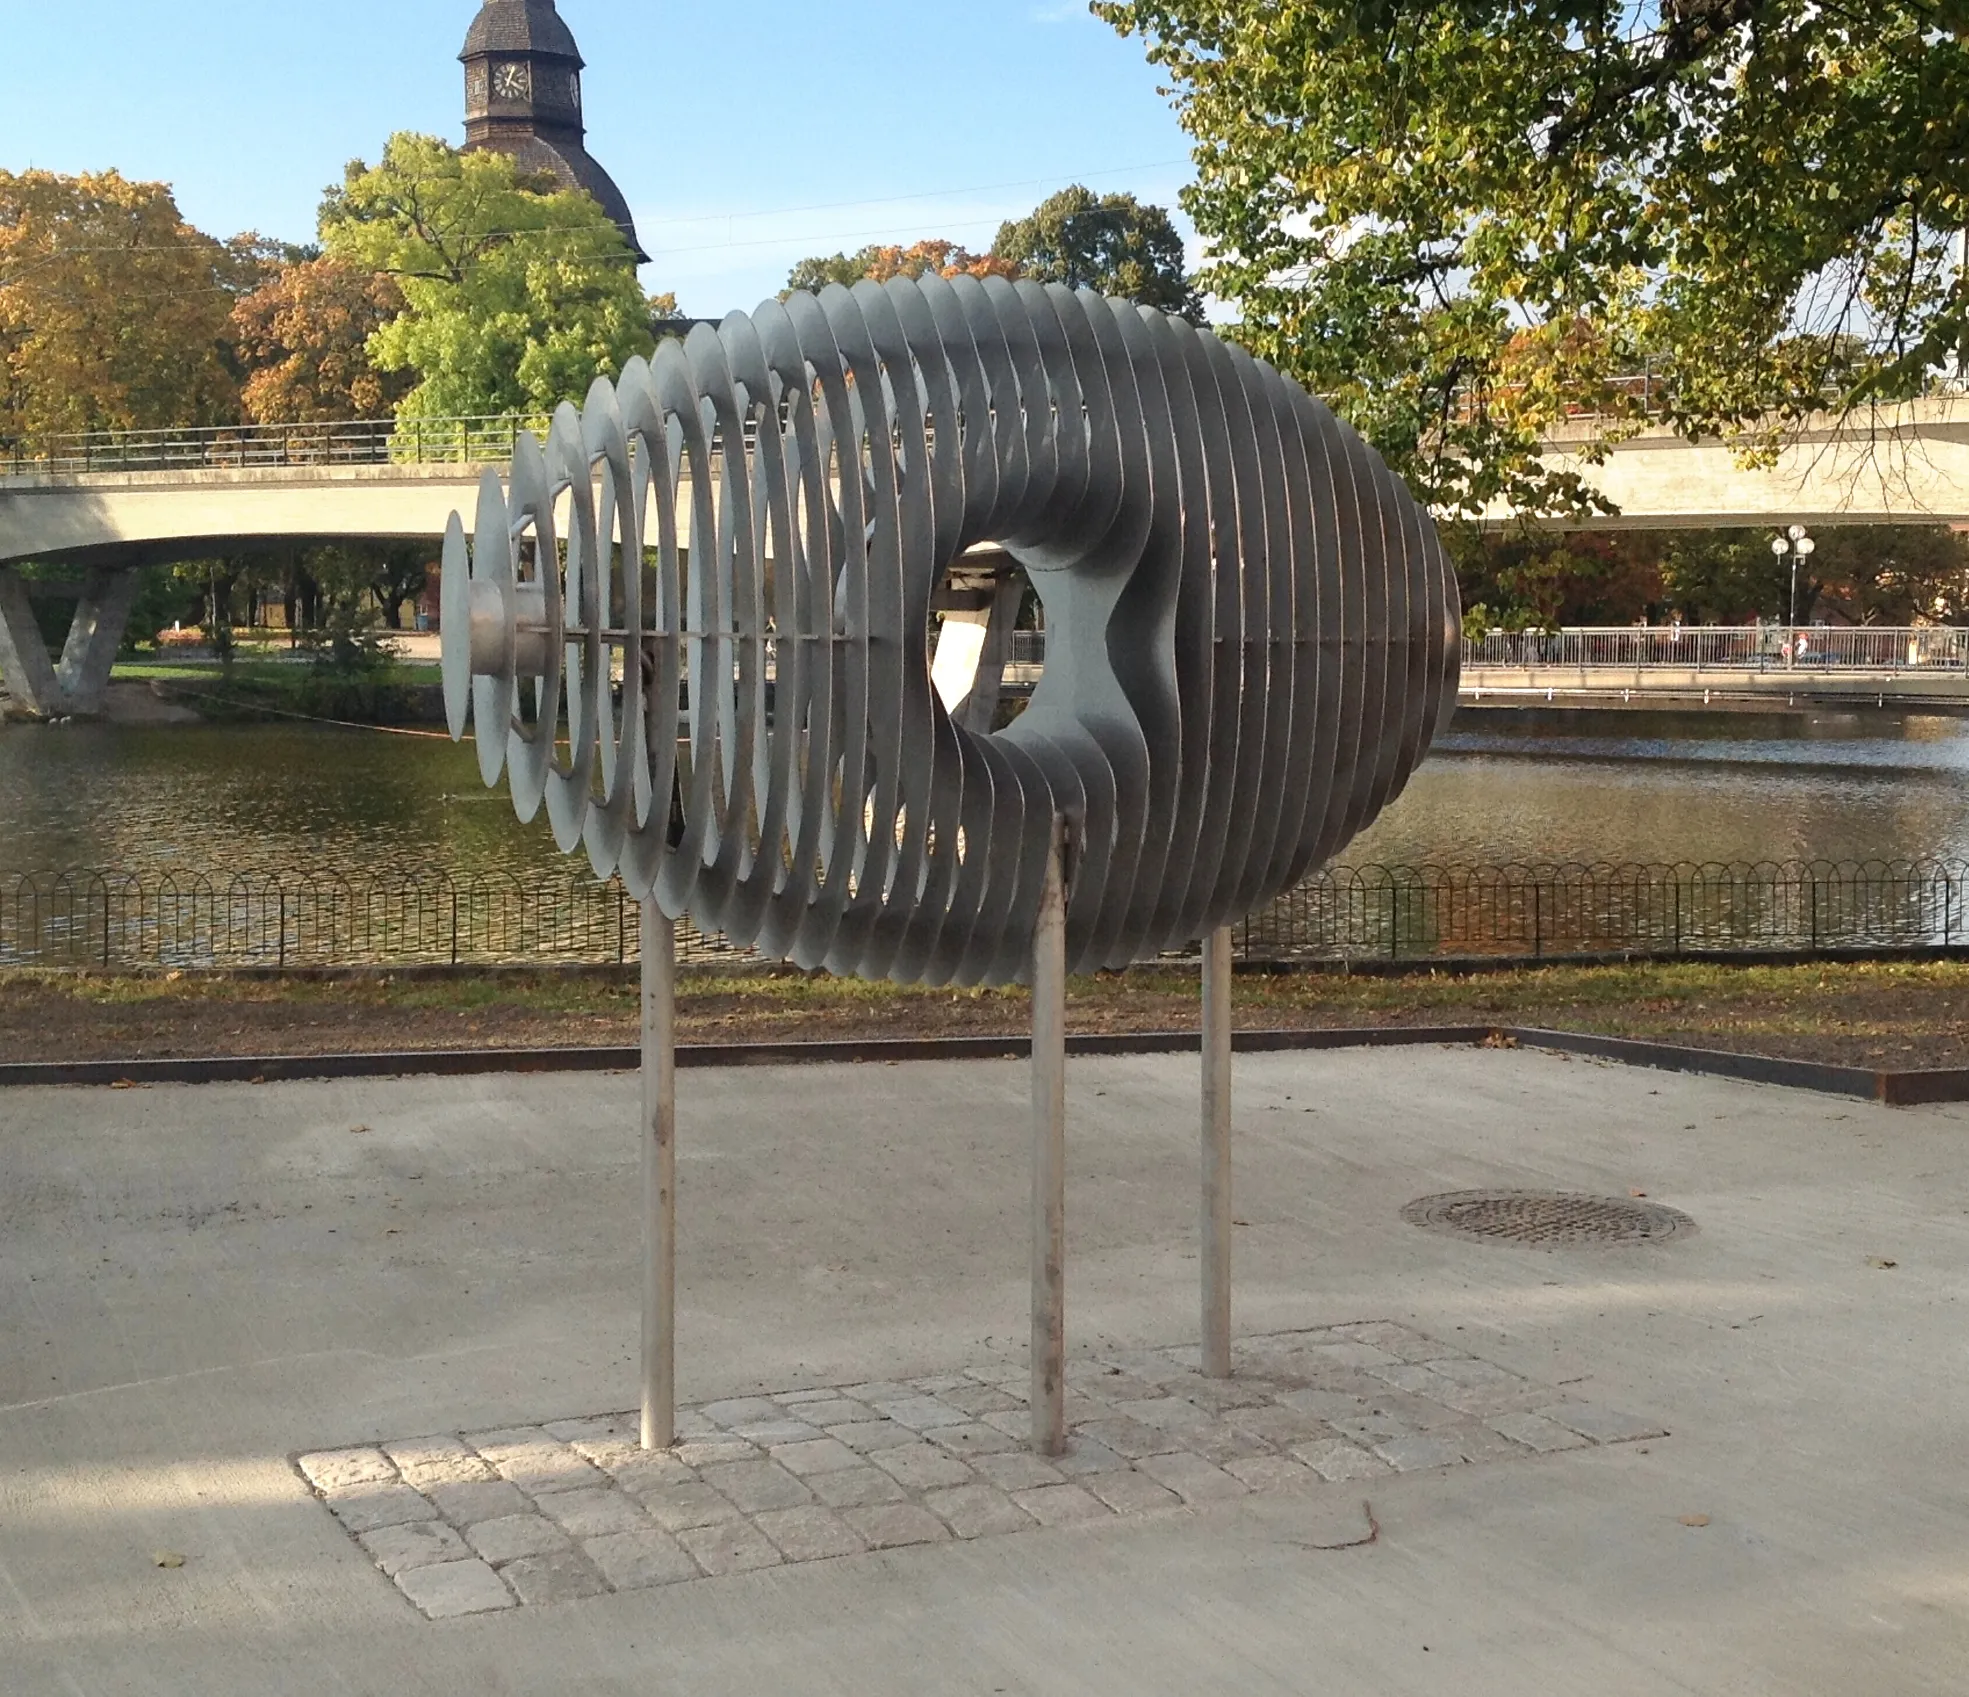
(1251, 635)
(1251, 628)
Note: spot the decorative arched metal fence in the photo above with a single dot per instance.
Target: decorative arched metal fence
(105, 918)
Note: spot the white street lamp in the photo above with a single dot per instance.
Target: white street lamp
(1798, 545)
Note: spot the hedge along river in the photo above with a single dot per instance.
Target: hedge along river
(1502, 785)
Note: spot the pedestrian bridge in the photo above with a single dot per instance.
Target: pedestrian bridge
(114, 501)
(125, 498)
(1711, 665)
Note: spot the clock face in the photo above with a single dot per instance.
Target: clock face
(512, 80)
(574, 89)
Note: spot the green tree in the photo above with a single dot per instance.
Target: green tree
(517, 293)
(1459, 218)
(1112, 242)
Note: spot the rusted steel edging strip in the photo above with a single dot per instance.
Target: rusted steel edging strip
(1899, 1089)
(1722, 1063)
(456, 1063)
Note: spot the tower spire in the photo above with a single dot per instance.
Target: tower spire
(523, 97)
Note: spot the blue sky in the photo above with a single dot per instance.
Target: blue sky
(745, 136)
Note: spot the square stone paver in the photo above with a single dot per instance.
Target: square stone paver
(425, 1462)
(1419, 1451)
(1335, 1458)
(1325, 1405)
(645, 1470)
(635, 1561)
(771, 1434)
(330, 1471)
(562, 1577)
(708, 1452)
(574, 1508)
(922, 1467)
(1129, 1438)
(833, 1411)
(516, 1535)
(1087, 1455)
(974, 1439)
(756, 1485)
(1278, 1425)
(534, 1461)
(1191, 1477)
(1062, 1505)
(397, 1549)
(1129, 1492)
(975, 1399)
(812, 1533)
(602, 1429)
(732, 1546)
(453, 1588)
(1017, 1470)
(879, 1390)
(818, 1455)
(1271, 1472)
(977, 1511)
(1536, 1432)
(867, 1436)
(888, 1526)
(922, 1413)
(675, 1507)
(855, 1487)
(735, 1410)
(593, 1514)
(1602, 1425)
(369, 1506)
(472, 1502)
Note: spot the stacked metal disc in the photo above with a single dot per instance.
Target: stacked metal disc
(697, 624)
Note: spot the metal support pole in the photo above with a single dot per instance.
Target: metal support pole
(1049, 1154)
(1217, 1154)
(659, 1141)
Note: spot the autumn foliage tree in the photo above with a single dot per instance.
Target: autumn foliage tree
(114, 312)
(303, 337)
(877, 264)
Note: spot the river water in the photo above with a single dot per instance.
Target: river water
(1502, 785)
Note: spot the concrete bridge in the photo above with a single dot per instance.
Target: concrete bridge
(110, 503)
(1902, 464)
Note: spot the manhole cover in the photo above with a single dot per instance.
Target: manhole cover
(1547, 1217)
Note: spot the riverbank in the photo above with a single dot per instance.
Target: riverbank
(1871, 1014)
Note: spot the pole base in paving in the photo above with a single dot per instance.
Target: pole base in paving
(1049, 1176)
(659, 1147)
(1216, 1210)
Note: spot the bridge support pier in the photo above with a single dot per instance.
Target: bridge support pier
(72, 687)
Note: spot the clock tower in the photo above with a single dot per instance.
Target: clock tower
(523, 97)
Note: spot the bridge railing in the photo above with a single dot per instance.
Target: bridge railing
(1631, 648)
(276, 918)
(233, 447)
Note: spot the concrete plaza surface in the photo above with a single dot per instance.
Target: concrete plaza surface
(198, 1284)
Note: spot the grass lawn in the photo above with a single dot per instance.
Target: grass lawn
(1866, 1014)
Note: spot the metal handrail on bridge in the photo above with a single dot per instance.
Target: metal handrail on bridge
(233, 447)
(1738, 648)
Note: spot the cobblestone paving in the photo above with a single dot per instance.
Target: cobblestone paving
(473, 1522)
